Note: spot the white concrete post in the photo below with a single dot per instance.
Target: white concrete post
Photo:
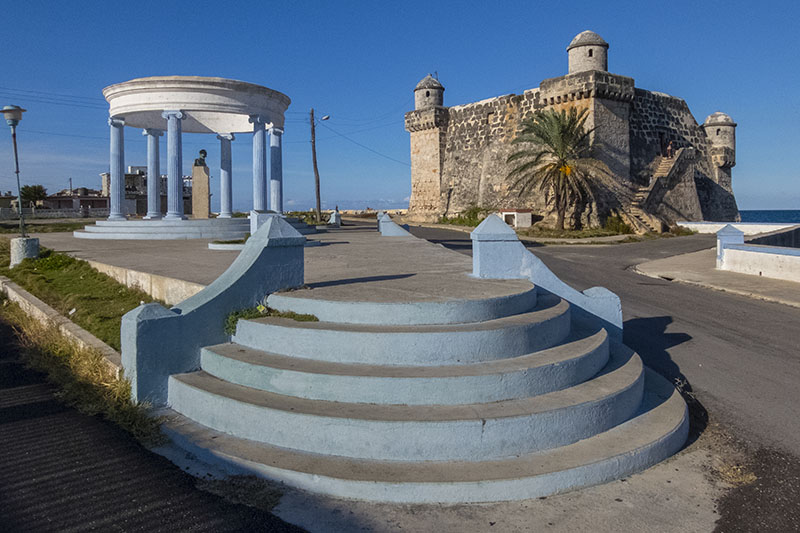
(727, 236)
(153, 174)
(225, 180)
(275, 170)
(496, 250)
(117, 168)
(174, 165)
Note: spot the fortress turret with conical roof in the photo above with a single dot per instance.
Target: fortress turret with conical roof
(587, 51)
(721, 131)
(429, 92)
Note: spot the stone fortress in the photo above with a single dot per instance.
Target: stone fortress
(458, 154)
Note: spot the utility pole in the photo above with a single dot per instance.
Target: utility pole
(316, 170)
(70, 186)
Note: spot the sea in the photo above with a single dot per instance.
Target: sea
(789, 216)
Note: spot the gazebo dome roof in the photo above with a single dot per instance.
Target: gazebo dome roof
(586, 38)
(209, 105)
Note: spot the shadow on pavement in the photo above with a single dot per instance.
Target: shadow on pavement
(365, 279)
(649, 337)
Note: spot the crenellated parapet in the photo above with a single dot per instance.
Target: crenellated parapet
(584, 85)
(426, 119)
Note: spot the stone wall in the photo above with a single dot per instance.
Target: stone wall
(459, 153)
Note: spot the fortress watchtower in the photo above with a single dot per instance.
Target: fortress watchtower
(428, 93)
(721, 132)
(587, 51)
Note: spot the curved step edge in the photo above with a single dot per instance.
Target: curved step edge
(423, 345)
(405, 313)
(556, 368)
(406, 433)
(655, 434)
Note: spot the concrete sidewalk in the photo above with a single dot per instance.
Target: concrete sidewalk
(349, 261)
(699, 268)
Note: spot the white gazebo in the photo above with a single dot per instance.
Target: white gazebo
(192, 104)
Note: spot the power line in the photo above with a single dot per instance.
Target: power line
(50, 94)
(364, 147)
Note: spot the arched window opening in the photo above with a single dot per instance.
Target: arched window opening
(718, 131)
(427, 93)
(590, 52)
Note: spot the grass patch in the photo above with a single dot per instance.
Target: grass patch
(82, 375)
(261, 311)
(471, 217)
(89, 298)
(680, 231)
(11, 227)
(234, 241)
(551, 233)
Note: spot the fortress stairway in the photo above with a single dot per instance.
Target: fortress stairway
(643, 220)
(477, 400)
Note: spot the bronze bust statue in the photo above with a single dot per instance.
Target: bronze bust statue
(201, 161)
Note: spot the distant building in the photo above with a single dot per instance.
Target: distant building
(77, 198)
(136, 191)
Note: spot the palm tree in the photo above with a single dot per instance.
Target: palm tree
(557, 158)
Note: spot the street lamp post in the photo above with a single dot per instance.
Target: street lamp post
(13, 114)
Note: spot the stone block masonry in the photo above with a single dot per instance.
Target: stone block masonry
(459, 153)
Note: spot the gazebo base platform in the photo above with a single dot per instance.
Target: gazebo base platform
(212, 228)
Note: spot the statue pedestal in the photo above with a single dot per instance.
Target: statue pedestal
(201, 197)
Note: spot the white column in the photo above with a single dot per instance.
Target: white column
(275, 170)
(225, 181)
(117, 168)
(174, 165)
(153, 174)
(259, 163)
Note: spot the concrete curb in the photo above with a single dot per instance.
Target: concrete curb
(43, 313)
(171, 291)
(705, 285)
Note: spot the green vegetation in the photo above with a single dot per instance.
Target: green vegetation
(92, 300)
(234, 241)
(680, 231)
(262, 311)
(309, 217)
(43, 227)
(557, 159)
(239, 214)
(32, 194)
(85, 379)
(615, 224)
(472, 216)
(551, 233)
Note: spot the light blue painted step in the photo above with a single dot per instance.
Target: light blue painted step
(657, 431)
(470, 432)
(581, 357)
(404, 313)
(424, 345)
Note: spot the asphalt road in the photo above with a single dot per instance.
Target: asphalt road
(740, 356)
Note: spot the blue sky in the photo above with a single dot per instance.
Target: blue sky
(359, 63)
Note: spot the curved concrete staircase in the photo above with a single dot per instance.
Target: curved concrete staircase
(477, 400)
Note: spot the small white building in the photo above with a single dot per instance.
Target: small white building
(517, 218)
